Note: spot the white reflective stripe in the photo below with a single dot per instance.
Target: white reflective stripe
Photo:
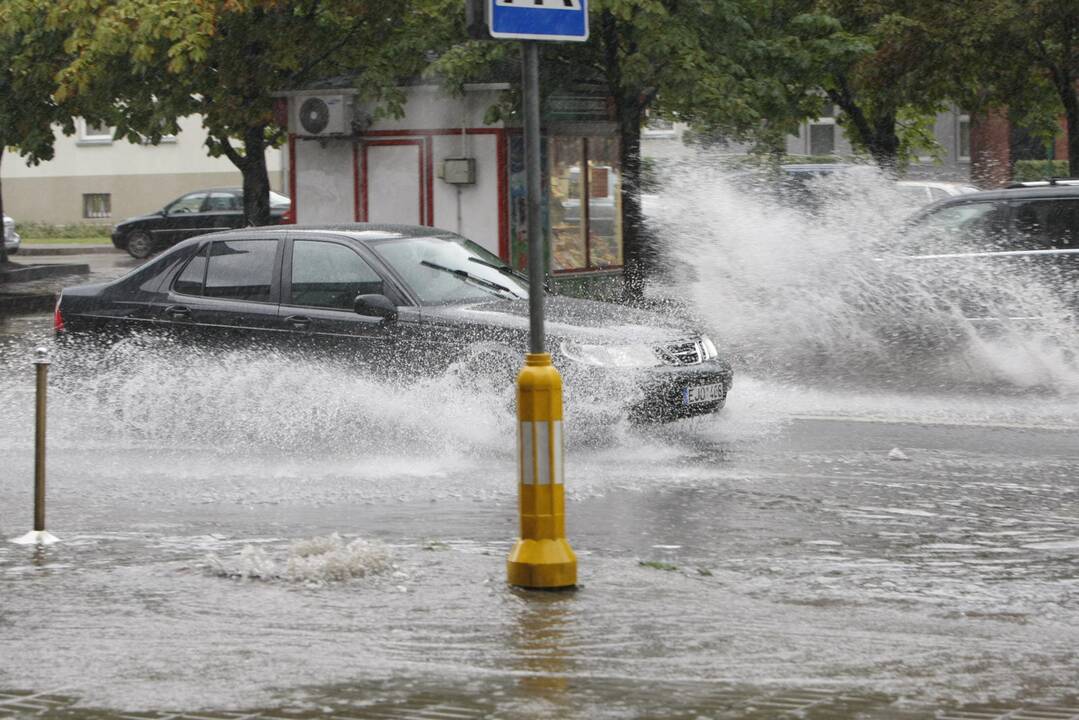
(543, 453)
(525, 460)
(559, 479)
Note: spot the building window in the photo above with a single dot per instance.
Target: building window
(963, 133)
(821, 132)
(585, 203)
(91, 134)
(96, 205)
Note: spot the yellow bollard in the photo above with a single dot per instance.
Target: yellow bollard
(542, 557)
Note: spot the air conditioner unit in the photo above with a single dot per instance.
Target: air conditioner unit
(323, 115)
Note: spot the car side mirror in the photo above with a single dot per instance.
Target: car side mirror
(375, 305)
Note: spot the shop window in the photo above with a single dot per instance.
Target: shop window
(96, 205)
(585, 203)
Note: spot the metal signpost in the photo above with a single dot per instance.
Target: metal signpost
(542, 557)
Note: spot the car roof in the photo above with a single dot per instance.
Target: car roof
(359, 231)
(1022, 192)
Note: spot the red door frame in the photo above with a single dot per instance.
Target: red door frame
(425, 140)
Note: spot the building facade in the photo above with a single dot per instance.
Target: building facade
(442, 165)
(94, 178)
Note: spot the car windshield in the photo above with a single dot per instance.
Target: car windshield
(449, 269)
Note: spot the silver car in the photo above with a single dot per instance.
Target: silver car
(12, 241)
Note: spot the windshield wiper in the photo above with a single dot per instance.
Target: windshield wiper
(466, 277)
(504, 269)
(507, 270)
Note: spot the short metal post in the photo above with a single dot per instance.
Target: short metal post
(39, 536)
(41, 364)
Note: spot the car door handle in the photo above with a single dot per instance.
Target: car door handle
(178, 311)
(298, 322)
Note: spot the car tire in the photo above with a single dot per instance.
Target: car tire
(140, 245)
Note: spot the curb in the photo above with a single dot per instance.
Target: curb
(66, 250)
(42, 302)
(36, 272)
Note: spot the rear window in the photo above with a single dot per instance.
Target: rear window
(233, 269)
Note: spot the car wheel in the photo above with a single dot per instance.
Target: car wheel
(140, 244)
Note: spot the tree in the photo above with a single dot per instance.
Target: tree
(159, 60)
(1026, 57)
(31, 54)
(886, 65)
(680, 58)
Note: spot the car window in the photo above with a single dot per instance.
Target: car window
(1048, 223)
(224, 202)
(190, 203)
(240, 269)
(443, 270)
(329, 275)
(960, 228)
(191, 278)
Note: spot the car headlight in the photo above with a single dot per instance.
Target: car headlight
(709, 347)
(624, 356)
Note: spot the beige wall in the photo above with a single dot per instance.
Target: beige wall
(58, 200)
(139, 178)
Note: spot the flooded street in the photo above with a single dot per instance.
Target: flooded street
(890, 554)
(882, 523)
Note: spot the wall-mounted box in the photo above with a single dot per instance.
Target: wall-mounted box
(458, 171)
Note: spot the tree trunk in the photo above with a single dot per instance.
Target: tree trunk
(636, 248)
(3, 243)
(629, 110)
(256, 178)
(1070, 97)
(878, 135)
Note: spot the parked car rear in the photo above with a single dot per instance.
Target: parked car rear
(195, 213)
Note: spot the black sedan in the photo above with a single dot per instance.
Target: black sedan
(192, 214)
(398, 299)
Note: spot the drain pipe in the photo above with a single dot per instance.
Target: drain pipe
(39, 536)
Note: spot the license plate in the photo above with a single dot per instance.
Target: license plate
(695, 394)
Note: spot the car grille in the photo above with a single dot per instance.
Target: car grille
(682, 352)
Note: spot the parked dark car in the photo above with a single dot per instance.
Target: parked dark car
(397, 298)
(988, 240)
(195, 213)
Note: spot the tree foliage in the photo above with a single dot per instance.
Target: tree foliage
(1024, 55)
(31, 54)
(159, 60)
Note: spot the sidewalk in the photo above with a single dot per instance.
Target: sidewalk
(32, 278)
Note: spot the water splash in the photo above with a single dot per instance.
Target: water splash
(315, 561)
(811, 295)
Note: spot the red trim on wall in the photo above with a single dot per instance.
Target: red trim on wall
(363, 185)
(292, 175)
(356, 181)
(425, 138)
(438, 131)
(419, 143)
(430, 148)
(502, 162)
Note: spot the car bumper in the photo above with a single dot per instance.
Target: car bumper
(668, 392)
(12, 242)
(119, 239)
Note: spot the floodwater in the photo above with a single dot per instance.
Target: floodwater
(242, 533)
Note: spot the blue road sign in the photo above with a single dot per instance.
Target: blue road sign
(565, 20)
